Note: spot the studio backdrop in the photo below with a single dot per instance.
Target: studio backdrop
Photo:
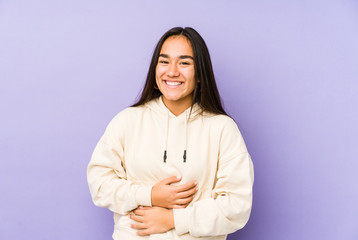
(286, 70)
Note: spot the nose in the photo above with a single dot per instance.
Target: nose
(172, 70)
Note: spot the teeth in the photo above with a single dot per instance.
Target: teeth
(173, 83)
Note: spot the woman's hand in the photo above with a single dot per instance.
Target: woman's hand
(152, 220)
(168, 196)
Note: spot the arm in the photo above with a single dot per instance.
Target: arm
(167, 196)
(108, 181)
(152, 220)
(106, 173)
(229, 207)
(160, 217)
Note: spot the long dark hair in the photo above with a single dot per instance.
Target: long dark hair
(206, 93)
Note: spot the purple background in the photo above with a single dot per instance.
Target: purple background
(287, 72)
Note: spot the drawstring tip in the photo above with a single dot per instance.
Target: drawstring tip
(184, 156)
(165, 156)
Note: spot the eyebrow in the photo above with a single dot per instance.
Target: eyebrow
(180, 57)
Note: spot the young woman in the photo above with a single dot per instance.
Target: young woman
(174, 165)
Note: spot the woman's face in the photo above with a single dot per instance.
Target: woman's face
(175, 71)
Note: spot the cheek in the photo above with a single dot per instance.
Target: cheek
(157, 75)
(191, 77)
(159, 71)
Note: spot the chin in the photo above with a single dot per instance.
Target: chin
(173, 99)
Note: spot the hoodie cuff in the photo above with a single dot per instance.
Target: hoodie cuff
(143, 196)
(181, 220)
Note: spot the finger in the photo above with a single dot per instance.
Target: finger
(177, 206)
(185, 201)
(145, 232)
(186, 186)
(138, 226)
(137, 218)
(187, 193)
(145, 208)
(170, 180)
(139, 212)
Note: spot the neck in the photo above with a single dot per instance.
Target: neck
(179, 106)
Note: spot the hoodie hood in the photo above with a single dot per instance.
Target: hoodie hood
(157, 105)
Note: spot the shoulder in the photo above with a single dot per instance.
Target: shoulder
(224, 119)
(229, 135)
(121, 124)
(130, 112)
(126, 116)
(219, 120)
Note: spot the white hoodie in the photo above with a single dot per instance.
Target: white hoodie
(129, 160)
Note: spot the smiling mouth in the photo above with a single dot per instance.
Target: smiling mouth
(173, 83)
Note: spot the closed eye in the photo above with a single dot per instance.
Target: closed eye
(185, 63)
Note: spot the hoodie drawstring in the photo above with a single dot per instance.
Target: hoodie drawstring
(166, 138)
(186, 135)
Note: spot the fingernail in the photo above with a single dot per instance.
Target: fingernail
(140, 207)
(178, 177)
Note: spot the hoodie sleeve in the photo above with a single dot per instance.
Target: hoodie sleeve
(229, 207)
(106, 174)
